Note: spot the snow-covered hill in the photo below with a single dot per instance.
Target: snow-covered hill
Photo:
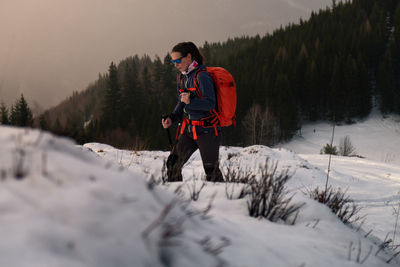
(68, 205)
(376, 138)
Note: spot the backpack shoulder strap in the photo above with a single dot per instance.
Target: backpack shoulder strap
(180, 81)
(196, 81)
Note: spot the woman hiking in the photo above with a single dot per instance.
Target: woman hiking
(196, 104)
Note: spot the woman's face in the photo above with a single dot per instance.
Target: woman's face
(185, 61)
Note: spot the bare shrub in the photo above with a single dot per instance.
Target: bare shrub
(338, 202)
(237, 175)
(237, 182)
(164, 174)
(260, 126)
(346, 148)
(140, 144)
(20, 164)
(358, 256)
(19, 168)
(267, 197)
(194, 191)
(385, 244)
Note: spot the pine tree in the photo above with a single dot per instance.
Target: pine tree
(337, 95)
(57, 128)
(21, 115)
(364, 99)
(43, 124)
(385, 84)
(351, 84)
(131, 100)
(396, 55)
(168, 84)
(13, 115)
(25, 117)
(146, 79)
(286, 108)
(4, 114)
(112, 100)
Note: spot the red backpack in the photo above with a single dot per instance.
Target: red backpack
(225, 90)
(226, 95)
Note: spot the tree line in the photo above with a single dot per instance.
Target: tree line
(337, 65)
(18, 115)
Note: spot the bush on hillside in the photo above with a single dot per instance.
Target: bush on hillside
(329, 149)
(268, 196)
(237, 181)
(338, 202)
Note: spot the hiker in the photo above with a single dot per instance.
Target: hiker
(196, 103)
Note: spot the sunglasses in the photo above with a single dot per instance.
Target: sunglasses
(178, 60)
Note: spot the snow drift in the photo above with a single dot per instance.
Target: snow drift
(94, 205)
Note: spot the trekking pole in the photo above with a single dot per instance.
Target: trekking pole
(171, 145)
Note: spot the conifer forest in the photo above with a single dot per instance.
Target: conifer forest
(337, 65)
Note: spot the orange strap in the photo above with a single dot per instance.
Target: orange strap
(195, 83)
(215, 131)
(194, 124)
(184, 125)
(194, 132)
(177, 132)
(188, 89)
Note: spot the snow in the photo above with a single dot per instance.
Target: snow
(67, 205)
(376, 138)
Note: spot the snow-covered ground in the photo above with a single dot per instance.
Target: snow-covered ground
(376, 138)
(93, 205)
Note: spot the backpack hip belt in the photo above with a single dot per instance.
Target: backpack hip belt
(207, 122)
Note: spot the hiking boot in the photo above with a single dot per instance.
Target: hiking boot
(214, 175)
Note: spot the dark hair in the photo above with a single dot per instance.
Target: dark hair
(188, 47)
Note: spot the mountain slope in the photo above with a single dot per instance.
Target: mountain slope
(64, 205)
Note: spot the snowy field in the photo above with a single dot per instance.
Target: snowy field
(376, 138)
(93, 205)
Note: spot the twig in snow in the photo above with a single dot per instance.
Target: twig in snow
(396, 212)
(193, 192)
(44, 164)
(207, 245)
(366, 256)
(315, 224)
(384, 244)
(361, 224)
(359, 251)
(358, 257)
(350, 247)
(209, 206)
(160, 219)
(367, 234)
(394, 256)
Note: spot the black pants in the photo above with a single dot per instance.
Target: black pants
(208, 144)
